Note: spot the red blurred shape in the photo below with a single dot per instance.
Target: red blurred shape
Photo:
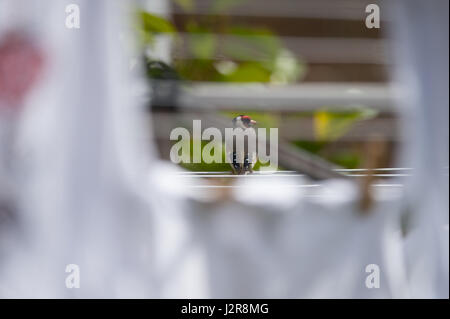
(21, 63)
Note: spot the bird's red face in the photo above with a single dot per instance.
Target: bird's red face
(243, 121)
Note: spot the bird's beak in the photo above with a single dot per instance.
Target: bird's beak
(253, 122)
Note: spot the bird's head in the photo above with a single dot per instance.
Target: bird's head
(243, 121)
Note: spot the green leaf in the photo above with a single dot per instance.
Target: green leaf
(251, 44)
(202, 43)
(330, 126)
(347, 159)
(155, 24)
(249, 72)
(197, 70)
(144, 38)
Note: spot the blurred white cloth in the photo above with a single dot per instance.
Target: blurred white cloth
(80, 159)
(419, 41)
(284, 245)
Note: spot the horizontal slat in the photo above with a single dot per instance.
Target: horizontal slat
(302, 97)
(308, 49)
(322, 9)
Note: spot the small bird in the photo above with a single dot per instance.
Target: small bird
(242, 161)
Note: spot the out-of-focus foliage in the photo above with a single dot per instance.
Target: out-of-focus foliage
(226, 52)
(255, 54)
(149, 25)
(252, 44)
(160, 71)
(201, 167)
(329, 125)
(346, 158)
(202, 43)
(187, 5)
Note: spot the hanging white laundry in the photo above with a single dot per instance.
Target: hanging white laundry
(287, 244)
(80, 161)
(422, 75)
